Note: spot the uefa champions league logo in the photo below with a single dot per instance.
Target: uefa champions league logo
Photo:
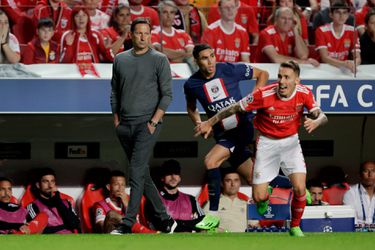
(327, 229)
(269, 214)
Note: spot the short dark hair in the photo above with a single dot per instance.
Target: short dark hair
(339, 5)
(363, 164)
(292, 65)
(2, 178)
(198, 48)
(43, 172)
(170, 167)
(369, 14)
(314, 183)
(45, 22)
(116, 173)
(229, 170)
(139, 20)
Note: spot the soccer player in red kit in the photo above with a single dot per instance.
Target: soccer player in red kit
(279, 108)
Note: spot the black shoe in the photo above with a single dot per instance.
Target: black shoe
(168, 226)
(121, 229)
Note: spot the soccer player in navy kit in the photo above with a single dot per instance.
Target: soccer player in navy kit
(216, 86)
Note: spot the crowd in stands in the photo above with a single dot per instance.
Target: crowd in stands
(337, 32)
(44, 209)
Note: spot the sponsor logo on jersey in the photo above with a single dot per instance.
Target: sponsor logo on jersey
(215, 90)
(219, 42)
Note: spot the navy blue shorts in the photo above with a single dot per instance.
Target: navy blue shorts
(237, 140)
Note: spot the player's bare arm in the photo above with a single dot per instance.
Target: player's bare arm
(205, 128)
(261, 77)
(193, 112)
(315, 119)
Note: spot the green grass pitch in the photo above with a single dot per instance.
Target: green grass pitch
(221, 241)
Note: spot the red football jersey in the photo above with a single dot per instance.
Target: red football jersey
(279, 117)
(228, 46)
(338, 46)
(270, 37)
(176, 40)
(146, 12)
(245, 17)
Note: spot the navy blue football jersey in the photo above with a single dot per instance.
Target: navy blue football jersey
(219, 92)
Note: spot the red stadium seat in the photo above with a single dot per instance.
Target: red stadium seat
(23, 48)
(89, 198)
(203, 195)
(28, 197)
(334, 195)
(13, 200)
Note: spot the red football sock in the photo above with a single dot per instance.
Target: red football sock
(298, 206)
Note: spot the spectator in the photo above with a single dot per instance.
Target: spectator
(299, 19)
(281, 42)
(360, 15)
(62, 218)
(13, 217)
(109, 212)
(139, 10)
(190, 19)
(367, 40)
(315, 187)
(175, 44)
(229, 39)
(336, 41)
(117, 35)
(246, 17)
(108, 6)
(42, 49)
(99, 20)
(182, 207)
(82, 45)
(361, 196)
(58, 11)
(232, 210)
(323, 17)
(10, 48)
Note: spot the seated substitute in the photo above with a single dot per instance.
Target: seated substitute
(13, 217)
(315, 188)
(337, 42)
(182, 207)
(109, 212)
(62, 218)
(361, 196)
(232, 210)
